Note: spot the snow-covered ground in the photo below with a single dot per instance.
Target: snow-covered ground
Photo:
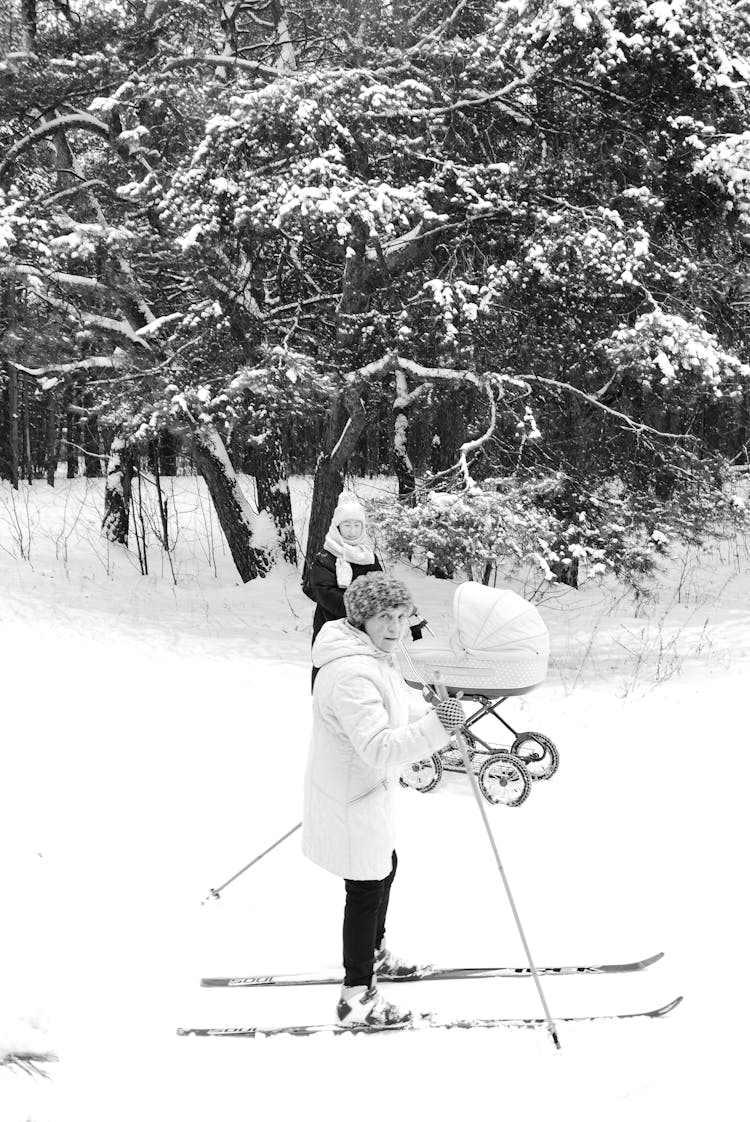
(154, 736)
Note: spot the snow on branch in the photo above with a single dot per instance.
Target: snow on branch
(94, 321)
(384, 365)
(444, 372)
(448, 373)
(472, 445)
(71, 120)
(636, 426)
(590, 87)
(219, 60)
(405, 397)
(438, 32)
(283, 308)
(67, 369)
(379, 366)
(498, 96)
(69, 280)
(66, 192)
(155, 325)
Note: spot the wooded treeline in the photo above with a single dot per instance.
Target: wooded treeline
(497, 248)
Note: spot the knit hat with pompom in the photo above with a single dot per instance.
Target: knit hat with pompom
(373, 593)
(348, 508)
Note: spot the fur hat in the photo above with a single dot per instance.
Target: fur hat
(373, 593)
(348, 508)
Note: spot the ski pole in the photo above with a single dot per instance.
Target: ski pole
(458, 737)
(214, 893)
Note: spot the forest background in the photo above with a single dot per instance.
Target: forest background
(500, 249)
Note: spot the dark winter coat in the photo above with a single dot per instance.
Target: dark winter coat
(329, 598)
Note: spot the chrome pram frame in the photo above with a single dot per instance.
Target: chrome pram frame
(505, 773)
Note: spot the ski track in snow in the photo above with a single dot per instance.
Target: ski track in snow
(154, 740)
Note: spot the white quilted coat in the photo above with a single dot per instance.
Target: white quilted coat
(367, 724)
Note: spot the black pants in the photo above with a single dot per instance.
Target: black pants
(364, 925)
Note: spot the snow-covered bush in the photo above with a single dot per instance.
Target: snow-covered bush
(726, 164)
(668, 355)
(569, 534)
(472, 531)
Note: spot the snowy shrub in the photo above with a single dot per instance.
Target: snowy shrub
(472, 531)
(726, 164)
(667, 354)
(569, 534)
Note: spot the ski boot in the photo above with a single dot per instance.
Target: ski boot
(363, 1005)
(389, 965)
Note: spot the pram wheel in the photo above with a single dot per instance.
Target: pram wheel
(504, 780)
(539, 755)
(424, 775)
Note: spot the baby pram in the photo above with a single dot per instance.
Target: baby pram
(498, 649)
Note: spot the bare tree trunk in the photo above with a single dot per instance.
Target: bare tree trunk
(28, 466)
(287, 60)
(232, 508)
(407, 482)
(90, 440)
(347, 422)
(115, 523)
(169, 450)
(273, 493)
(566, 574)
(71, 435)
(28, 25)
(347, 416)
(440, 572)
(228, 10)
(162, 453)
(12, 372)
(50, 441)
(401, 462)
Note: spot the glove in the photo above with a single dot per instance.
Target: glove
(450, 713)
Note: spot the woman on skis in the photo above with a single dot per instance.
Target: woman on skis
(367, 724)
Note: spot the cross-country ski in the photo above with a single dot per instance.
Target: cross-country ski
(431, 974)
(423, 1022)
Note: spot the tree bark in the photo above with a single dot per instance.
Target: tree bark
(402, 464)
(12, 372)
(163, 452)
(228, 10)
(28, 25)
(407, 482)
(115, 524)
(71, 434)
(287, 60)
(566, 574)
(273, 493)
(232, 508)
(347, 422)
(90, 441)
(50, 439)
(346, 419)
(27, 463)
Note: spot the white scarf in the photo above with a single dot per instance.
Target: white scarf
(348, 554)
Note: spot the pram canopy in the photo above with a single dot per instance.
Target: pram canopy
(499, 644)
